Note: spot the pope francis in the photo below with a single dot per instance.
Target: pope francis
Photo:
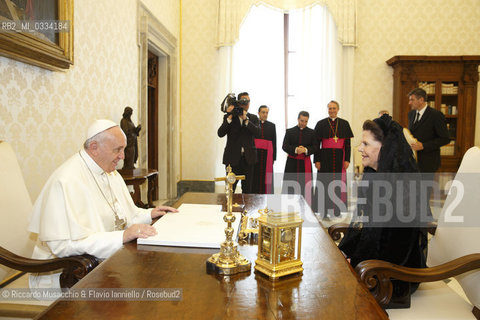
(85, 206)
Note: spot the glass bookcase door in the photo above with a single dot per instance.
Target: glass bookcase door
(451, 83)
(429, 88)
(443, 96)
(449, 107)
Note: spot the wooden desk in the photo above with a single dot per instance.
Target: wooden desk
(328, 288)
(137, 177)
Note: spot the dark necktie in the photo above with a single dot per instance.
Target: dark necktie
(416, 118)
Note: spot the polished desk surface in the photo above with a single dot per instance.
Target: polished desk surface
(137, 173)
(328, 288)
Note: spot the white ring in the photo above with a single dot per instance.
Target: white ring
(138, 231)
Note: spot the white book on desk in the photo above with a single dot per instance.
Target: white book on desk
(195, 225)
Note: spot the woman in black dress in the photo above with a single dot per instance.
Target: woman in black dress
(390, 221)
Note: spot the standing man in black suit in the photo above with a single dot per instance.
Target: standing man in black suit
(240, 152)
(429, 127)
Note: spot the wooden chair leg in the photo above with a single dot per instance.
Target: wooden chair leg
(476, 312)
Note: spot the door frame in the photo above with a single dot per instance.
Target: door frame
(153, 36)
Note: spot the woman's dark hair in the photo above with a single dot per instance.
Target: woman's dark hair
(375, 129)
(396, 155)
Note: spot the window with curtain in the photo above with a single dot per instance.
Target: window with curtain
(287, 61)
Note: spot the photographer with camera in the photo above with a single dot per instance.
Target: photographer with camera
(240, 127)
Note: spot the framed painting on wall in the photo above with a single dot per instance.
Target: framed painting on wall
(38, 32)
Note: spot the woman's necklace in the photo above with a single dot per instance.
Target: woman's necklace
(333, 131)
(120, 224)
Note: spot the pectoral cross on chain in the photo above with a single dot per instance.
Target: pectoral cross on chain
(120, 224)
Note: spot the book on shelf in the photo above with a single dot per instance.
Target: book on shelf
(452, 130)
(448, 109)
(448, 150)
(428, 87)
(444, 109)
(449, 88)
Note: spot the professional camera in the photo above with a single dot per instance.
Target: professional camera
(231, 100)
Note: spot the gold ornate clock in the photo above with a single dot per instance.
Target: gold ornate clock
(279, 244)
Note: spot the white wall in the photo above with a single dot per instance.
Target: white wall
(167, 12)
(200, 106)
(44, 114)
(406, 27)
(385, 29)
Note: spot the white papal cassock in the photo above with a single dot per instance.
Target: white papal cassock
(74, 214)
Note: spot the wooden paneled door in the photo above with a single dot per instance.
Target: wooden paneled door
(153, 117)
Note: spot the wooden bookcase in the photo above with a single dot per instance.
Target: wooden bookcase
(451, 85)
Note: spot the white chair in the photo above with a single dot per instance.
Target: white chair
(454, 251)
(16, 243)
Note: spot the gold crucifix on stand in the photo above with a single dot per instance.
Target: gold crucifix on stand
(228, 261)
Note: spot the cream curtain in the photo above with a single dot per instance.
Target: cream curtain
(320, 68)
(231, 13)
(314, 64)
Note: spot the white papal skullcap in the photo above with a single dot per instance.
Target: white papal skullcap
(99, 126)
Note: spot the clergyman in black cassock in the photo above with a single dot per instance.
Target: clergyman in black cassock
(300, 143)
(266, 144)
(333, 155)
